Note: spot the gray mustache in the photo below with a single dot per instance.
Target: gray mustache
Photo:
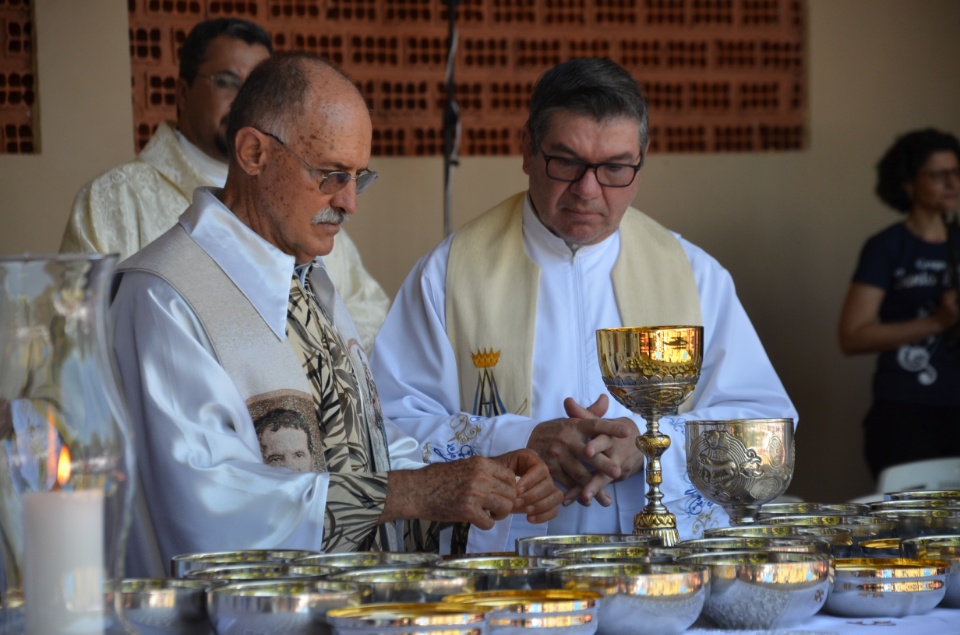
(328, 215)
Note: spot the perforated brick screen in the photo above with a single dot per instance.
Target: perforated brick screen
(720, 75)
(16, 78)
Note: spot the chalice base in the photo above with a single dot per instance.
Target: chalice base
(659, 524)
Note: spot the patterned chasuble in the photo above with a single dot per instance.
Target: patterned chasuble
(357, 493)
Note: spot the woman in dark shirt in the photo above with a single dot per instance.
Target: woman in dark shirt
(902, 304)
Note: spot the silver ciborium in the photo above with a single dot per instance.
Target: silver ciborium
(740, 464)
(651, 370)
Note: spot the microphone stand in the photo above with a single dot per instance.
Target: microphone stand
(451, 121)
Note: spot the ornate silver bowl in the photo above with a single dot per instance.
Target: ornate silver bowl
(154, 606)
(184, 563)
(370, 559)
(764, 589)
(549, 545)
(411, 584)
(740, 464)
(503, 572)
(946, 548)
(542, 611)
(292, 607)
(640, 599)
(887, 587)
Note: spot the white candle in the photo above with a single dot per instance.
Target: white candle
(63, 562)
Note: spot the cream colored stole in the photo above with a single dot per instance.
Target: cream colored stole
(492, 286)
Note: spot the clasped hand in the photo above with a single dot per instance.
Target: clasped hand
(476, 490)
(585, 452)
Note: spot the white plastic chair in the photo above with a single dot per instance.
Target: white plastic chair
(927, 474)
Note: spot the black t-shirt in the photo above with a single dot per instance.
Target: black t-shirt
(914, 274)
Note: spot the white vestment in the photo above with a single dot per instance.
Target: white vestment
(202, 482)
(129, 206)
(415, 369)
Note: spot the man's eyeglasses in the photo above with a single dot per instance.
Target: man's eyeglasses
(943, 176)
(608, 174)
(224, 80)
(331, 181)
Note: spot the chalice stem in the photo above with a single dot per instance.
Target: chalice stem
(655, 519)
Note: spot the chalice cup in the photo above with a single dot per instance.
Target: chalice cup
(740, 464)
(651, 370)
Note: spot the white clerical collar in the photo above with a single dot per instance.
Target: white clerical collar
(539, 234)
(214, 170)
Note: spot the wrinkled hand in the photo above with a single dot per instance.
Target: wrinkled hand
(477, 490)
(562, 443)
(537, 496)
(609, 455)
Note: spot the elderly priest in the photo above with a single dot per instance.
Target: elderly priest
(256, 420)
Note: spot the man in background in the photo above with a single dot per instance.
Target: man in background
(129, 206)
(491, 345)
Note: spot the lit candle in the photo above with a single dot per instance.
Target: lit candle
(64, 561)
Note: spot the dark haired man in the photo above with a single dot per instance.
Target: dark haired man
(233, 308)
(129, 206)
(503, 315)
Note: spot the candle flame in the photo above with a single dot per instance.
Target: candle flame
(63, 467)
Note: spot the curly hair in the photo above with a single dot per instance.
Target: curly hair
(901, 163)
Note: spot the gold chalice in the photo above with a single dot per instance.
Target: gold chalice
(651, 370)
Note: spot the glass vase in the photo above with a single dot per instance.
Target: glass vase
(66, 461)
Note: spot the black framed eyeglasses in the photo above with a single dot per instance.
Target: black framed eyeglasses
(608, 174)
(331, 181)
(225, 80)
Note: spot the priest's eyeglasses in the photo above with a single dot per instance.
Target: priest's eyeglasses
(331, 181)
(608, 174)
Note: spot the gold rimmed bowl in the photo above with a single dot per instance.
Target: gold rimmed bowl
(912, 503)
(559, 611)
(503, 572)
(411, 584)
(881, 548)
(795, 544)
(370, 559)
(758, 530)
(887, 587)
(549, 545)
(840, 537)
(159, 606)
(442, 618)
(291, 607)
(923, 522)
(868, 528)
(952, 495)
(184, 563)
(620, 552)
(640, 599)
(946, 548)
(764, 589)
(827, 509)
(261, 571)
(805, 520)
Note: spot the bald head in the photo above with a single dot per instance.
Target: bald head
(295, 123)
(287, 87)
